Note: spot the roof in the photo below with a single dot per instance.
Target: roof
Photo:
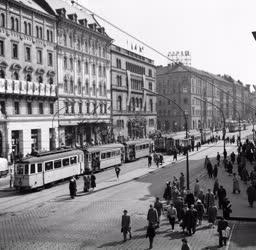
(104, 147)
(32, 4)
(138, 141)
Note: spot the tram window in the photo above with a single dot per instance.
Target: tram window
(32, 169)
(65, 162)
(57, 164)
(103, 156)
(26, 169)
(118, 152)
(113, 154)
(73, 160)
(108, 154)
(20, 169)
(48, 166)
(39, 167)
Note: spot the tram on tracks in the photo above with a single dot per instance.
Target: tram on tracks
(3, 167)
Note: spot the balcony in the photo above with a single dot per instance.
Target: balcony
(17, 87)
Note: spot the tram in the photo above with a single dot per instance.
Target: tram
(3, 167)
(47, 168)
(99, 157)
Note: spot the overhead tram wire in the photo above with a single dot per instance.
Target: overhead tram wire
(157, 51)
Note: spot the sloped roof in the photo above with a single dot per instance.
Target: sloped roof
(32, 4)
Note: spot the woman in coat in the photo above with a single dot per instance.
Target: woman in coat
(216, 187)
(200, 211)
(150, 234)
(93, 181)
(212, 215)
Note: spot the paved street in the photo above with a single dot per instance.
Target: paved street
(49, 219)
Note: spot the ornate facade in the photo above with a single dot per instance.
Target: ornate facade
(27, 77)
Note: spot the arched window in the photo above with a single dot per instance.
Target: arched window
(16, 75)
(151, 105)
(94, 88)
(87, 87)
(93, 69)
(105, 89)
(100, 86)
(65, 84)
(29, 29)
(2, 73)
(2, 20)
(78, 66)
(51, 80)
(28, 77)
(37, 32)
(41, 32)
(132, 104)
(17, 24)
(12, 23)
(137, 102)
(25, 28)
(86, 68)
(119, 103)
(65, 63)
(71, 64)
(40, 79)
(79, 86)
(104, 71)
(71, 85)
(70, 40)
(100, 70)
(48, 35)
(65, 39)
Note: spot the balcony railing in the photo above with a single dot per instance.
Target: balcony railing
(9, 86)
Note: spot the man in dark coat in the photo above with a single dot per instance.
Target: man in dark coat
(215, 171)
(182, 181)
(191, 218)
(167, 192)
(222, 225)
(233, 157)
(221, 196)
(72, 187)
(126, 225)
(209, 169)
(159, 208)
(190, 199)
(93, 181)
(218, 158)
(251, 193)
(226, 208)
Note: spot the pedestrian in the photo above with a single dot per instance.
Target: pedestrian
(209, 169)
(93, 181)
(226, 208)
(244, 175)
(215, 171)
(236, 186)
(159, 208)
(86, 183)
(201, 195)
(183, 216)
(167, 192)
(222, 225)
(161, 159)
(149, 160)
(225, 154)
(151, 234)
(175, 154)
(117, 170)
(196, 188)
(172, 215)
(190, 199)
(72, 187)
(179, 204)
(251, 193)
(11, 177)
(182, 181)
(152, 216)
(233, 157)
(209, 199)
(191, 219)
(212, 215)
(185, 245)
(230, 168)
(218, 158)
(200, 211)
(221, 196)
(216, 187)
(126, 225)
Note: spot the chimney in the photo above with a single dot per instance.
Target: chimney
(73, 17)
(83, 22)
(61, 12)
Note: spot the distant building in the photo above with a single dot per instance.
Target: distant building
(133, 108)
(83, 57)
(182, 84)
(27, 77)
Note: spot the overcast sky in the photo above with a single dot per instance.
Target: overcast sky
(216, 32)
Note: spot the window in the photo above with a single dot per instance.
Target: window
(39, 56)
(51, 108)
(65, 162)
(79, 87)
(150, 72)
(100, 71)
(2, 20)
(40, 32)
(119, 103)
(65, 63)
(12, 23)
(40, 79)
(95, 108)
(48, 166)
(88, 108)
(29, 107)
(27, 54)
(50, 80)
(71, 85)
(104, 71)
(119, 80)
(1, 48)
(32, 168)
(15, 50)
(71, 64)
(151, 122)
(57, 164)
(118, 63)
(50, 59)
(105, 108)
(2, 73)
(15, 75)
(65, 84)
(66, 108)
(41, 108)
(17, 24)
(70, 41)
(86, 68)
(16, 108)
(73, 160)
(93, 69)
(94, 88)
(100, 87)
(29, 29)
(26, 169)
(72, 108)
(80, 108)
(65, 39)
(79, 66)
(25, 28)
(37, 32)
(39, 167)
(87, 87)
(151, 105)
(150, 85)
(105, 89)
(101, 108)
(3, 110)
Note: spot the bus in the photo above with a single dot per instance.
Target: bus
(47, 168)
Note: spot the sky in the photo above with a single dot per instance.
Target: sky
(216, 32)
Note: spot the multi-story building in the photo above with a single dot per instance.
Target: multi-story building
(83, 58)
(183, 85)
(27, 77)
(133, 108)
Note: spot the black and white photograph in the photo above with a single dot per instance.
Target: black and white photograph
(127, 125)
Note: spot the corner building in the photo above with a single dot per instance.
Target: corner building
(83, 58)
(133, 108)
(27, 77)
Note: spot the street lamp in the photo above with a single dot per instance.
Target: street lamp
(186, 128)
(223, 116)
(239, 117)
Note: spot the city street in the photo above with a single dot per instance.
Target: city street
(49, 219)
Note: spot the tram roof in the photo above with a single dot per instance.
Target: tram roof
(138, 141)
(50, 155)
(104, 147)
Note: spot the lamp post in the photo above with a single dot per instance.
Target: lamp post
(186, 128)
(224, 120)
(239, 117)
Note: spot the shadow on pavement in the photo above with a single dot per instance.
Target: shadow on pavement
(111, 244)
(211, 248)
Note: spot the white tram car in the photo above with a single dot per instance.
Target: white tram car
(47, 168)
